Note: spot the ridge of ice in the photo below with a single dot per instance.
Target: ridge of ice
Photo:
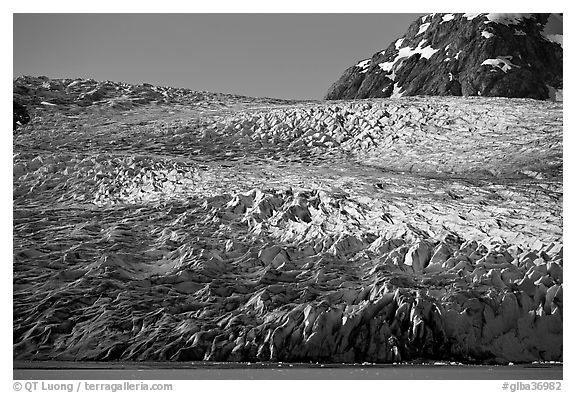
(399, 42)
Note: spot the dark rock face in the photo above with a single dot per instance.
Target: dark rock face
(503, 55)
(20, 115)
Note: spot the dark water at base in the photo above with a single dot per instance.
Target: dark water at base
(259, 371)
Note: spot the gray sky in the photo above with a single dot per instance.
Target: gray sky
(273, 55)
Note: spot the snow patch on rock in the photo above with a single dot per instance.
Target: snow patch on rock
(504, 19)
(502, 62)
(406, 52)
(396, 93)
(487, 34)
(364, 64)
(447, 18)
(471, 16)
(507, 19)
(423, 28)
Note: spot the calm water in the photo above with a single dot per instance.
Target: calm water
(203, 370)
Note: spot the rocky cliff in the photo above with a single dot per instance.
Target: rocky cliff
(506, 55)
(19, 114)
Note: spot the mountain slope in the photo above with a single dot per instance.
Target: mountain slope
(504, 55)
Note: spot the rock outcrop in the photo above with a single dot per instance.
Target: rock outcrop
(20, 115)
(503, 55)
